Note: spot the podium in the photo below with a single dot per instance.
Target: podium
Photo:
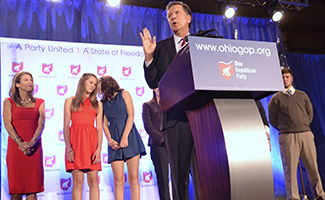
(216, 81)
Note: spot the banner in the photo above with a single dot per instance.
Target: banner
(235, 65)
(56, 68)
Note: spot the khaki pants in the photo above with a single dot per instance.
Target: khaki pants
(293, 146)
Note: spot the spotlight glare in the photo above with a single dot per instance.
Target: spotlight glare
(277, 16)
(113, 3)
(230, 12)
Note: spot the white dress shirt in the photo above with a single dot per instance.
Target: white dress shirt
(291, 89)
(178, 45)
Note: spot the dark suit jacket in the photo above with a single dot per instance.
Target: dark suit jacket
(151, 115)
(163, 56)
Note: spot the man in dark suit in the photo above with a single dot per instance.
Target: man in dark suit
(174, 124)
(151, 114)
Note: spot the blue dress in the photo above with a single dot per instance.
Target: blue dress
(116, 114)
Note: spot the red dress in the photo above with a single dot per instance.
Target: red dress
(83, 138)
(25, 173)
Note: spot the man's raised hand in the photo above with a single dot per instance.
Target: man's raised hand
(149, 44)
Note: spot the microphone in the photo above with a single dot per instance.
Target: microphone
(202, 33)
(186, 38)
(205, 33)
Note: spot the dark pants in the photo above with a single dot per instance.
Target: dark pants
(160, 161)
(180, 148)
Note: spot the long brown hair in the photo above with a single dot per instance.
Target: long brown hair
(81, 91)
(108, 87)
(14, 91)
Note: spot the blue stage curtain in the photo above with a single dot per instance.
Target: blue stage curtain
(92, 21)
(95, 22)
(309, 71)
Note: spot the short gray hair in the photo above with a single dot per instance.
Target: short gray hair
(186, 8)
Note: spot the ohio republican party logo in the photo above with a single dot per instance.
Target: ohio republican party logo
(143, 133)
(35, 88)
(49, 113)
(61, 136)
(101, 71)
(226, 69)
(139, 91)
(65, 184)
(62, 90)
(126, 71)
(17, 67)
(47, 68)
(75, 69)
(105, 158)
(147, 177)
(50, 161)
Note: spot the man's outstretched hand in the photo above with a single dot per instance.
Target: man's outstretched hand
(149, 44)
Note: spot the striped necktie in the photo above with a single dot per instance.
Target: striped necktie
(289, 92)
(183, 42)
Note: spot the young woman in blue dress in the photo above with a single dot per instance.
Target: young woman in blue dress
(125, 143)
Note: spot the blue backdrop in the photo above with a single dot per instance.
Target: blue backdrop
(309, 71)
(93, 21)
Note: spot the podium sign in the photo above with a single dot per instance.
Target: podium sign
(234, 65)
(216, 81)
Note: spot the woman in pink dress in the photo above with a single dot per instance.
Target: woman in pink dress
(82, 139)
(23, 117)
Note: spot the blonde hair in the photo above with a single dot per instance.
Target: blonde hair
(81, 90)
(14, 91)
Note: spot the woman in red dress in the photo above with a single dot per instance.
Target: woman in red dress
(82, 139)
(23, 117)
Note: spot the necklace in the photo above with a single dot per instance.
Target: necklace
(25, 102)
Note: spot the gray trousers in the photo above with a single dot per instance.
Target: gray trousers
(293, 146)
